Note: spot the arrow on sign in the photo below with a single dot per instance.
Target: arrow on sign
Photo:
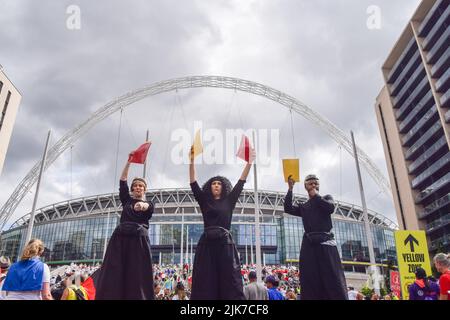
(411, 241)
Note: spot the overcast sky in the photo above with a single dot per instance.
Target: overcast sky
(321, 52)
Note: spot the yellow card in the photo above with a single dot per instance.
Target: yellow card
(291, 167)
(198, 147)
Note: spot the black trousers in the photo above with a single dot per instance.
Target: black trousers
(321, 273)
(217, 271)
(126, 272)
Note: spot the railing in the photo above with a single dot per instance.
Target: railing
(442, 23)
(434, 206)
(440, 83)
(426, 119)
(415, 60)
(442, 162)
(392, 76)
(433, 188)
(419, 143)
(445, 99)
(410, 85)
(438, 223)
(420, 91)
(439, 67)
(426, 26)
(432, 55)
(427, 154)
(426, 101)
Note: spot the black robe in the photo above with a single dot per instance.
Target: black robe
(126, 272)
(321, 273)
(217, 268)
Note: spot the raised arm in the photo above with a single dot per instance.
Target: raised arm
(248, 166)
(192, 177)
(124, 176)
(239, 186)
(289, 208)
(124, 191)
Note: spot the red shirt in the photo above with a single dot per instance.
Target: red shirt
(444, 283)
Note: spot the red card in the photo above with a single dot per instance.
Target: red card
(140, 154)
(244, 149)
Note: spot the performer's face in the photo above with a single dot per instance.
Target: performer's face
(138, 189)
(310, 185)
(216, 189)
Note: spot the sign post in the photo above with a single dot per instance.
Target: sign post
(412, 253)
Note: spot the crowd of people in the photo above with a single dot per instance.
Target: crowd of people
(173, 282)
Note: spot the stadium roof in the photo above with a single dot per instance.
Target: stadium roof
(181, 201)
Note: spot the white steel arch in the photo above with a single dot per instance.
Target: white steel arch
(186, 83)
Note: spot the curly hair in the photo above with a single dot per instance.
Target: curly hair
(226, 187)
(34, 247)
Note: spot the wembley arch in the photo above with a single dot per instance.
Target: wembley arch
(187, 83)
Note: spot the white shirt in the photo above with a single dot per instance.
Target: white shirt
(2, 293)
(29, 295)
(352, 294)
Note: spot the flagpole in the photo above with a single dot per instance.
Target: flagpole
(186, 259)
(106, 233)
(145, 163)
(192, 254)
(252, 261)
(36, 195)
(257, 227)
(366, 220)
(246, 252)
(182, 238)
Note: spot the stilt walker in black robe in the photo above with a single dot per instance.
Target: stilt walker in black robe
(126, 272)
(321, 273)
(217, 268)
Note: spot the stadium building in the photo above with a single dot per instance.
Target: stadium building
(77, 230)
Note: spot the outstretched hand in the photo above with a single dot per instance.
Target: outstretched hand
(130, 155)
(252, 156)
(192, 154)
(140, 206)
(291, 183)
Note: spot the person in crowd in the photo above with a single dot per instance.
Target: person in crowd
(73, 292)
(126, 273)
(180, 293)
(442, 264)
(29, 278)
(5, 263)
(58, 290)
(255, 290)
(157, 290)
(375, 297)
(423, 288)
(352, 293)
(290, 295)
(272, 285)
(167, 294)
(216, 271)
(360, 296)
(88, 284)
(321, 273)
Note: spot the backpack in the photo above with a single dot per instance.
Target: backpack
(79, 293)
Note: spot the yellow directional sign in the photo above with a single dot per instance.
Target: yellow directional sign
(412, 253)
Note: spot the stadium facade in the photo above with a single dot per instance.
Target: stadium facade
(76, 230)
